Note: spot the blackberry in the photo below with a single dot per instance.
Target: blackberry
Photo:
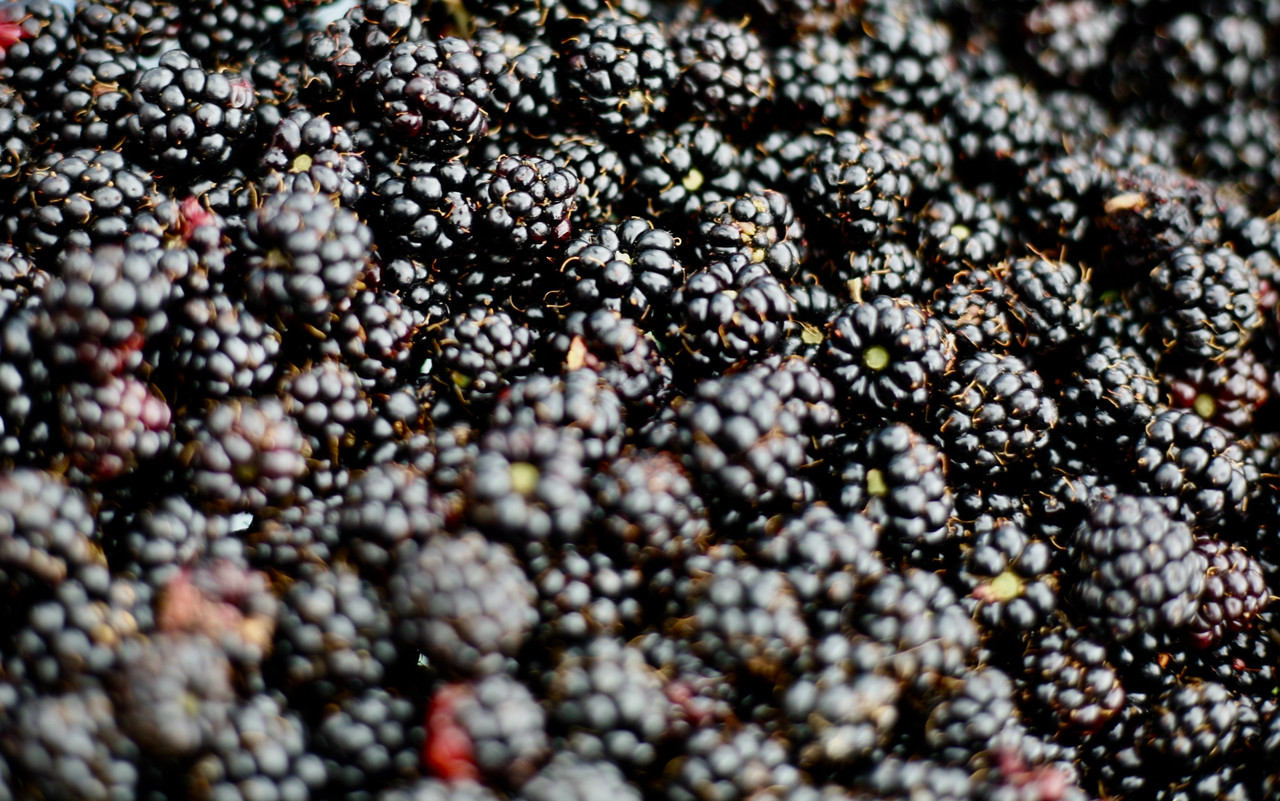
(87, 109)
(1054, 302)
(1199, 724)
(583, 594)
(267, 753)
(39, 39)
(826, 557)
(1205, 303)
(425, 210)
(218, 348)
(17, 136)
(1137, 568)
(570, 777)
(724, 71)
(375, 333)
(1204, 61)
(649, 513)
(859, 186)
(132, 26)
(1011, 577)
(762, 225)
(301, 256)
(81, 198)
(1184, 457)
(817, 81)
(113, 427)
(78, 732)
(905, 57)
(924, 142)
(896, 478)
(1070, 39)
(524, 77)
(188, 120)
(607, 703)
(464, 602)
(973, 719)
(1235, 592)
(367, 742)
(1236, 147)
(678, 172)
(778, 162)
(524, 204)
(1109, 398)
(999, 125)
(885, 355)
(601, 171)
(732, 309)
(844, 713)
(889, 268)
(449, 788)
(49, 533)
(1069, 680)
(977, 309)
(618, 73)
(498, 723)
(224, 33)
(1059, 200)
(174, 695)
(528, 485)
(1149, 213)
(474, 354)
(334, 635)
(731, 764)
(433, 95)
(629, 267)
(625, 356)
(69, 640)
(384, 512)
(329, 406)
(928, 634)
(1228, 393)
(304, 144)
(153, 542)
(579, 403)
(992, 413)
(961, 227)
(244, 455)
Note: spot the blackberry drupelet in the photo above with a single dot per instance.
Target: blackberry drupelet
(187, 119)
(1184, 457)
(1135, 567)
(433, 95)
(618, 74)
(762, 225)
(463, 601)
(859, 186)
(886, 355)
(629, 267)
(897, 479)
(724, 71)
